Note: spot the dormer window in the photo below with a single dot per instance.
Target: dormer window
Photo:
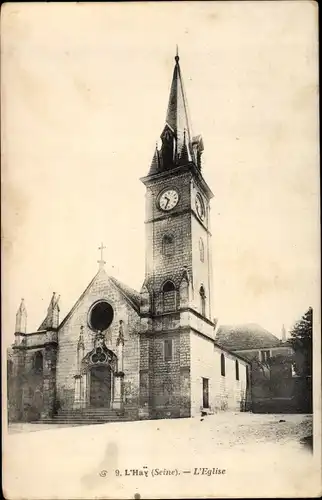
(168, 147)
(265, 356)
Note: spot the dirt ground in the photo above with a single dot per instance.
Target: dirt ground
(230, 429)
(261, 428)
(51, 461)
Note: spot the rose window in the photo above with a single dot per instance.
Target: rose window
(100, 316)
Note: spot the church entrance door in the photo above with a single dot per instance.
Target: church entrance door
(100, 388)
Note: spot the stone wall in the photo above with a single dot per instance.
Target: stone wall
(165, 383)
(100, 288)
(25, 386)
(202, 270)
(225, 392)
(158, 265)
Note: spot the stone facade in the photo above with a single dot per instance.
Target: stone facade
(228, 389)
(120, 353)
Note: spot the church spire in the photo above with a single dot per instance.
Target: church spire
(283, 334)
(177, 113)
(179, 147)
(52, 318)
(155, 164)
(185, 154)
(21, 318)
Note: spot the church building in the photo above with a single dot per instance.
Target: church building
(120, 354)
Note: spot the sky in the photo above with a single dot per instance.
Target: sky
(84, 97)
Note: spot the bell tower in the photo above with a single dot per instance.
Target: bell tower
(177, 292)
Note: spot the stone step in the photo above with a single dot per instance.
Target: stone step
(90, 414)
(94, 412)
(97, 411)
(84, 419)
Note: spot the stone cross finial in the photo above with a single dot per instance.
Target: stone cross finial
(101, 262)
(177, 54)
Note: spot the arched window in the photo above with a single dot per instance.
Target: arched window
(168, 245)
(201, 250)
(168, 286)
(237, 369)
(222, 365)
(38, 362)
(169, 296)
(202, 294)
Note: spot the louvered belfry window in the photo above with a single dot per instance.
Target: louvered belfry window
(168, 245)
(169, 296)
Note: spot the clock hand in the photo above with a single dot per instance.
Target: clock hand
(167, 203)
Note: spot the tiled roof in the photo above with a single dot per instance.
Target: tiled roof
(155, 164)
(132, 295)
(248, 336)
(177, 113)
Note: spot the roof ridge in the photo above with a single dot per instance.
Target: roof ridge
(132, 295)
(245, 336)
(80, 298)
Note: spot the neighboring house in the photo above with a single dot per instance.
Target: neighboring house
(123, 354)
(273, 384)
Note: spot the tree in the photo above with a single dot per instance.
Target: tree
(301, 341)
(272, 371)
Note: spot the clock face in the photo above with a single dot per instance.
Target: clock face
(200, 207)
(168, 199)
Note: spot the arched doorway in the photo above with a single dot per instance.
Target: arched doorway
(100, 386)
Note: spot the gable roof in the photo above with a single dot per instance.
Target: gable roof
(131, 295)
(68, 315)
(248, 336)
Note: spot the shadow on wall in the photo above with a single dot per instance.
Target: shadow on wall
(32, 408)
(299, 401)
(65, 400)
